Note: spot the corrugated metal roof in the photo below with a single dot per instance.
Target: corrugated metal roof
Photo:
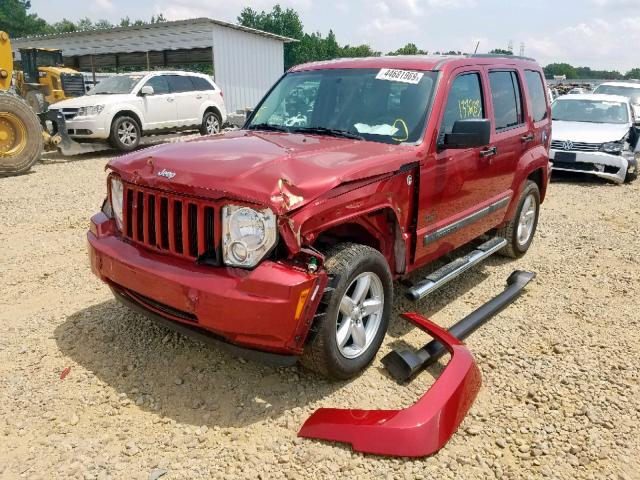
(192, 21)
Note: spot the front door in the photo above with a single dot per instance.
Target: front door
(455, 184)
(160, 109)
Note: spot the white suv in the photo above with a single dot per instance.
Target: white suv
(122, 108)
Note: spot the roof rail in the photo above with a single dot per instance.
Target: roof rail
(498, 55)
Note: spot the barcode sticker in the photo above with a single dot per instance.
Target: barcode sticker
(404, 76)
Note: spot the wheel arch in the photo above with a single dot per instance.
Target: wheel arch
(378, 228)
(130, 113)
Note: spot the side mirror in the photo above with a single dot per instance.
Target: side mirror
(146, 90)
(469, 134)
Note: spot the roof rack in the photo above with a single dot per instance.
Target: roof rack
(498, 55)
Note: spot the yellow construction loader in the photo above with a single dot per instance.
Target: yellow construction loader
(21, 138)
(44, 79)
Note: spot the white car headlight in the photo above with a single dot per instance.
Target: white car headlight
(116, 196)
(90, 111)
(612, 147)
(247, 235)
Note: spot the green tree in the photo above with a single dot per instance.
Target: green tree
(500, 51)
(281, 22)
(17, 22)
(633, 73)
(409, 49)
(558, 69)
(63, 26)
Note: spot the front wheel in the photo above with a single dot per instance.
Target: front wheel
(521, 228)
(125, 133)
(354, 316)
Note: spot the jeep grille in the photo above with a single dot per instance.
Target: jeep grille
(179, 225)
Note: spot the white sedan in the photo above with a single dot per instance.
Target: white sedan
(124, 107)
(595, 134)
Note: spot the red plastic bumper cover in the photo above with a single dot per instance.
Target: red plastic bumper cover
(419, 430)
(257, 308)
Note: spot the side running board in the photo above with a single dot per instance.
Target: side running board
(448, 272)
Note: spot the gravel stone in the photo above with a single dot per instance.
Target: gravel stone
(559, 400)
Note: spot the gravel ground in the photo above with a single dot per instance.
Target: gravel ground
(560, 397)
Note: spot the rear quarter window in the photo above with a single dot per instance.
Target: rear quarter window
(180, 83)
(200, 83)
(507, 99)
(536, 88)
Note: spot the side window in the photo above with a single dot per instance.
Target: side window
(180, 83)
(159, 84)
(200, 83)
(507, 99)
(464, 101)
(536, 89)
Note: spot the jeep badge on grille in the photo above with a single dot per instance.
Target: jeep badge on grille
(166, 174)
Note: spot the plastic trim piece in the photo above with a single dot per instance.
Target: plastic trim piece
(417, 431)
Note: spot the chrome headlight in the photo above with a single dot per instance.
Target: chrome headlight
(247, 235)
(116, 196)
(90, 111)
(614, 148)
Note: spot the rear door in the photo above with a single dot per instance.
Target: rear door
(185, 94)
(159, 109)
(455, 184)
(512, 134)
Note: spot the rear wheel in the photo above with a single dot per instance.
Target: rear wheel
(354, 316)
(211, 124)
(20, 135)
(125, 133)
(522, 227)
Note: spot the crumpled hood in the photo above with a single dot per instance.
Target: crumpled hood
(283, 171)
(89, 100)
(589, 132)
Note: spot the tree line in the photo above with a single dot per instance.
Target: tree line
(18, 21)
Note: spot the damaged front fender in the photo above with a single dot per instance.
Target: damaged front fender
(419, 430)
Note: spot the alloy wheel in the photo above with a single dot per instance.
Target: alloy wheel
(527, 220)
(127, 133)
(360, 315)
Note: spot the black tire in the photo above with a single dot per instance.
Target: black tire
(14, 109)
(345, 263)
(515, 248)
(36, 101)
(631, 176)
(118, 139)
(210, 120)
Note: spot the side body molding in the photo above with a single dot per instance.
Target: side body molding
(417, 431)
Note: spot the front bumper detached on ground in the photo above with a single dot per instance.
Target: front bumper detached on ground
(417, 431)
(425, 427)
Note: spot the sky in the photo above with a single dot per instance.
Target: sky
(602, 34)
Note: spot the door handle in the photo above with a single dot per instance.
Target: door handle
(198, 97)
(489, 152)
(170, 99)
(528, 138)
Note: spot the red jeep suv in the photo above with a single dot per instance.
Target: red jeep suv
(285, 237)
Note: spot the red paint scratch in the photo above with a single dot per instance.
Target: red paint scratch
(64, 373)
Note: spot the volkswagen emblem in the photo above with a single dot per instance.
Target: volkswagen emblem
(567, 145)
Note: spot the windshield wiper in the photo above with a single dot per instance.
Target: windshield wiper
(267, 127)
(328, 131)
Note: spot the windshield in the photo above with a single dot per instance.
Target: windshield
(46, 58)
(115, 85)
(593, 111)
(381, 105)
(631, 93)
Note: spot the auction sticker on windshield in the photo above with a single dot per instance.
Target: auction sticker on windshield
(405, 76)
